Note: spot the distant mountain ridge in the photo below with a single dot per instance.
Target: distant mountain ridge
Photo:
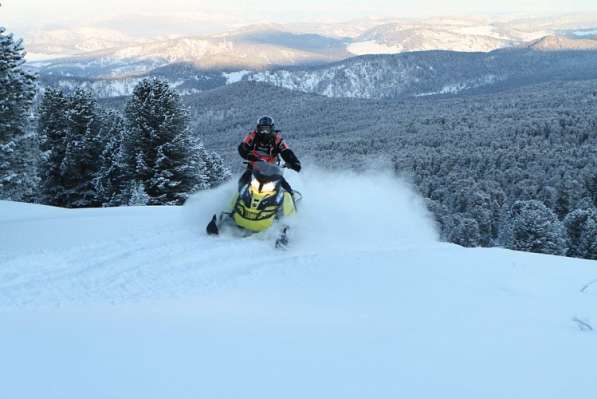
(362, 36)
(265, 45)
(316, 58)
(60, 43)
(255, 50)
(395, 76)
(433, 73)
(555, 43)
(461, 35)
(265, 51)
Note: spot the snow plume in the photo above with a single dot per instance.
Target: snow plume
(359, 210)
(201, 206)
(340, 210)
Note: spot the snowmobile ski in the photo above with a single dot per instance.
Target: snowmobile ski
(212, 227)
(282, 241)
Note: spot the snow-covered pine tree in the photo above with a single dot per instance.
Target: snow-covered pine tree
(536, 228)
(137, 194)
(440, 216)
(591, 182)
(581, 226)
(215, 171)
(112, 180)
(160, 148)
(585, 203)
(569, 191)
(198, 162)
(52, 129)
(83, 150)
(588, 240)
(18, 146)
(480, 201)
(480, 210)
(464, 231)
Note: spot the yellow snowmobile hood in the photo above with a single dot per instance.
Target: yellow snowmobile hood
(260, 213)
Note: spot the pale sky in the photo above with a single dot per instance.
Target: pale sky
(37, 14)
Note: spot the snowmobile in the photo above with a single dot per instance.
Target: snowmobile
(260, 204)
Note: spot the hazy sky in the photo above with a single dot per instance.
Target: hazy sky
(41, 13)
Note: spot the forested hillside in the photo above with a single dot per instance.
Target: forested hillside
(434, 73)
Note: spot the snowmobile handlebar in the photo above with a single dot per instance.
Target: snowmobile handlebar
(284, 166)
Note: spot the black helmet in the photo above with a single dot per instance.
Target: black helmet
(265, 125)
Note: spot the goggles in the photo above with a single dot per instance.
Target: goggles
(266, 130)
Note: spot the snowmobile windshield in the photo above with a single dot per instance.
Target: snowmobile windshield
(266, 172)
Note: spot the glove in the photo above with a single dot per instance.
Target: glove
(295, 166)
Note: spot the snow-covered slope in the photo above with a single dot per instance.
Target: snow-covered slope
(401, 37)
(138, 302)
(465, 33)
(57, 43)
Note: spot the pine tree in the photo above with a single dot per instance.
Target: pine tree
(215, 171)
(581, 226)
(198, 163)
(535, 228)
(18, 149)
(480, 210)
(112, 179)
(481, 202)
(52, 130)
(585, 203)
(137, 194)
(464, 231)
(160, 149)
(588, 240)
(440, 216)
(590, 180)
(568, 195)
(83, 149)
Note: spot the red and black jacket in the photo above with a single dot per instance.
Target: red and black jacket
(253, 148)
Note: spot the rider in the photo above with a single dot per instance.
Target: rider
(265, 144)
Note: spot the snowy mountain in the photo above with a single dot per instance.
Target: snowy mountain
(129, 302)
(58, 43)
(255, 50)
(245, 49)
(119, 60)
(403, 36)
(433, 73)
(339, 30)
(360, 36)
(463, 33)
(215, 60)
(559, 43)
(417, 74)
